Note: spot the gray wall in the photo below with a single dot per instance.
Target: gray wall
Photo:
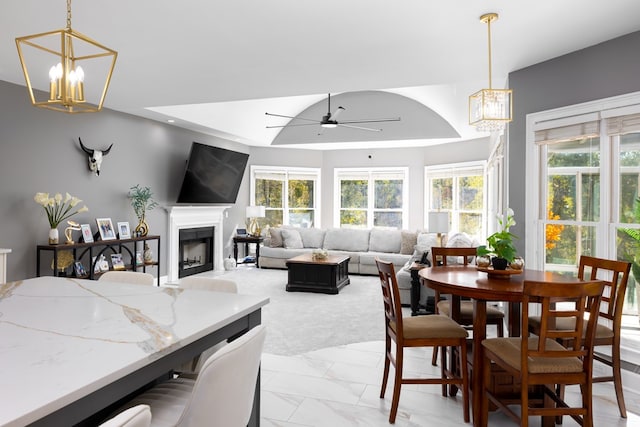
(608, 69)
(39, 152)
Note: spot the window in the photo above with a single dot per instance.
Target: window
(369, 198)
(582, 190)
(290, 195)
(459, 190)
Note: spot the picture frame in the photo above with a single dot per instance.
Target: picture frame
(79, 269)
(139, 259)
(87, 235)
(105, 227)
(116, 262)
(123, 230)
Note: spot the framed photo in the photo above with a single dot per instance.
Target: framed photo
(139, 259)
(79, 269)
(116, 262)
(123, 230)
(87, 235)
(105, 227)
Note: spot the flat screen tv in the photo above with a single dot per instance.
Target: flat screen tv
(213, 175)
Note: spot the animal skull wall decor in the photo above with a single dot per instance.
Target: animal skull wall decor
(95, 157)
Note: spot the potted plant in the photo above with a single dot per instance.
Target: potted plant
(141, 201)
(634, 258)
(500, 244)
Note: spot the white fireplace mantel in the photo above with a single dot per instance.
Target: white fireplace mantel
(181, 217)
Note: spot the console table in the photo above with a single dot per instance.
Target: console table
(89, 253)
(3, 264)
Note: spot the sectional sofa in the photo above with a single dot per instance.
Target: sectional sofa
(401, 247)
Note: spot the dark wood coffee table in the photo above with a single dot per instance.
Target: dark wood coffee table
(327, 276)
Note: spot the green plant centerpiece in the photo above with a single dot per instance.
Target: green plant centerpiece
(141, 201)
(634, 256)
(500, 244)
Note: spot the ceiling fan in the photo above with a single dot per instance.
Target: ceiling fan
(330, 120)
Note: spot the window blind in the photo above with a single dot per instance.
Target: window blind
(623, 124)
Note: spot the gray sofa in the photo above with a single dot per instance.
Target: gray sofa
(362, 246)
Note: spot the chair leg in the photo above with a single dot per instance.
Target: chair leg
(387, 362)
(464, 372)
(434, 357)
(500, 326)
(396, 385)
(617, 379)
(587, 390)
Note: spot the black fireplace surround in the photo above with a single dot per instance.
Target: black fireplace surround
(195, 250)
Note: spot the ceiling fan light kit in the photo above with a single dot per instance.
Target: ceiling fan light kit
(329, 121)
(490, 109)
(76, 69)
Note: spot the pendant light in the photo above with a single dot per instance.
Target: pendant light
(75, 69)
(490, 109)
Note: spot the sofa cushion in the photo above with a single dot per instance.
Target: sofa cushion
(409, 240)
(281, 253)
(459, 240)
(369, 258)
(275, 236)
(311, 237)
(347, 239)
(385, 240)
(291, 239)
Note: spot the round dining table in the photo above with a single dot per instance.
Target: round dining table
(481, 286)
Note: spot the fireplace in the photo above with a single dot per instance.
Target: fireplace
(195, 250)
(190, 217)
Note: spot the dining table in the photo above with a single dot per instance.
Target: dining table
(72, 348)
(481, 286)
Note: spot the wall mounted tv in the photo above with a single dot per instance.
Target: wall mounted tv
(213, 175)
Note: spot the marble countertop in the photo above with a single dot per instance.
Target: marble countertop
(62, 338)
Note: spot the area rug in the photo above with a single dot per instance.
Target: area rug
(298, 322)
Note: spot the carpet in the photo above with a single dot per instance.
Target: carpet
(298, 322)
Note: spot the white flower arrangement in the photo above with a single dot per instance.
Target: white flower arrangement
(57, 208)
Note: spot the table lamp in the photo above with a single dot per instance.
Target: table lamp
(439, 223)
(253, 213)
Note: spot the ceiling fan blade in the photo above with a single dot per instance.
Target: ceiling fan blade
(295, 124)
(337, 113)
(394, 119)
(359, 127)
(290, 117)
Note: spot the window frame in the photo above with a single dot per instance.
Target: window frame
(456, 170)
(371, 174)
(287, 171)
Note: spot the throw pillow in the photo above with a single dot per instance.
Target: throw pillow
(311, 237)
(417, 256)
(382, 240)
(291, 239)
(276, 237)
(409, 240)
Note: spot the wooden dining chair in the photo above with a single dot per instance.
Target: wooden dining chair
(134, 277)
(495, 316)
(222, 394)
(541, 361)
(617, 276)
(419, 331)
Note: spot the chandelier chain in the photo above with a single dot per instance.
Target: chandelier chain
(68, 13)
(489, 36)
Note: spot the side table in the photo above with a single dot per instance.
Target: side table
(247, 240)
(415, 292)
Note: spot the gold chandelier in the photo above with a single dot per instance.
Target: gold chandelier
(70, 64)
(490, 109)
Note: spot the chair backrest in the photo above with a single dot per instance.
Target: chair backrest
(134, 277)
(138, 416)
(390, 296)
(615, 286)
(443, 253)
(584, 302)
(224, 389)
(209, 284)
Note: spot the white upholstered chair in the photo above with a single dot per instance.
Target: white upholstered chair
(134, 277)
(221, 395)
(204, 284)
(137, 416)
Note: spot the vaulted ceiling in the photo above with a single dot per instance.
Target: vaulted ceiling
(217, 67)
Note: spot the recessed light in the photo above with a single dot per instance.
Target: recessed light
(171, 121)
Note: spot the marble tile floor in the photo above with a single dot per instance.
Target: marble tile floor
(340, 386)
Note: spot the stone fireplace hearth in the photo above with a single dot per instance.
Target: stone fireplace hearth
(188, 217)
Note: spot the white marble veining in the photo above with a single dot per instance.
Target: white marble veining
(318, 389)
(62, 338)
